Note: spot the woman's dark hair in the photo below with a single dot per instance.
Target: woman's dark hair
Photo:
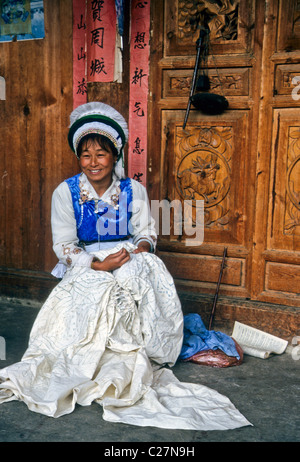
(102, 140)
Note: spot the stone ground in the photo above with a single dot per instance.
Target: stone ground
(266, 392)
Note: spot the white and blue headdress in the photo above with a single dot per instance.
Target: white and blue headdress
(102, 119)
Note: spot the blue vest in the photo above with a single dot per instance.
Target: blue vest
(97, 220)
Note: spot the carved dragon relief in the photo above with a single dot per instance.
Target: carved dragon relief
(220, 15)
(203, 170)
(292, 214)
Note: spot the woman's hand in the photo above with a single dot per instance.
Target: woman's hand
(143, 246)
(111, 262)
(116, 260)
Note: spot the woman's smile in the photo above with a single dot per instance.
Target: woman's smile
(97, 163)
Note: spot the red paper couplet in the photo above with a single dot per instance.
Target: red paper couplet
(138, 92)
(94, 40)
(79, 53)
(101, 39)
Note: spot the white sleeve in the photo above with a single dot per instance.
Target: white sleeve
(64, 230)
(142, 225)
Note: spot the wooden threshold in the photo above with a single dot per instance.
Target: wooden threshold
(26, 284)
(280, 320)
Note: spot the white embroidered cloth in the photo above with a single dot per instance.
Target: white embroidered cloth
(100, 337)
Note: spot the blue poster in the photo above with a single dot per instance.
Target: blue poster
(21, 20)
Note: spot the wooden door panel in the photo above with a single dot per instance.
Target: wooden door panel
(233, 82)
(207, 161)
(276, 255)
(243, 163)
(205, 268)
(288, 36)
(229, 23)
(284, 206)
(282, 254)
(284, 77)
(282, 277)
(213, 148)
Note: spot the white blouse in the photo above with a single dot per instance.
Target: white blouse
(63, 222)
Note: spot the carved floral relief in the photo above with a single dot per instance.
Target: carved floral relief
(203, 170)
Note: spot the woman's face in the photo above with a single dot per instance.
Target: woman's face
(97, 163)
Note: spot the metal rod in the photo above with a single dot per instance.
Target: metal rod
(212, 314)
(199, 44)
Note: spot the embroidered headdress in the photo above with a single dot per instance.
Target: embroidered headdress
(100, 118)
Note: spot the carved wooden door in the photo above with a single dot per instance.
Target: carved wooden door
(243, 163)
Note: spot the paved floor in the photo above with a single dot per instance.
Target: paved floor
(265, 391)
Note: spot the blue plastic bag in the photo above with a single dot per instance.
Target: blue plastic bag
(197, 338)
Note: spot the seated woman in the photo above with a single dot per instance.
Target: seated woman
(114, 319)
